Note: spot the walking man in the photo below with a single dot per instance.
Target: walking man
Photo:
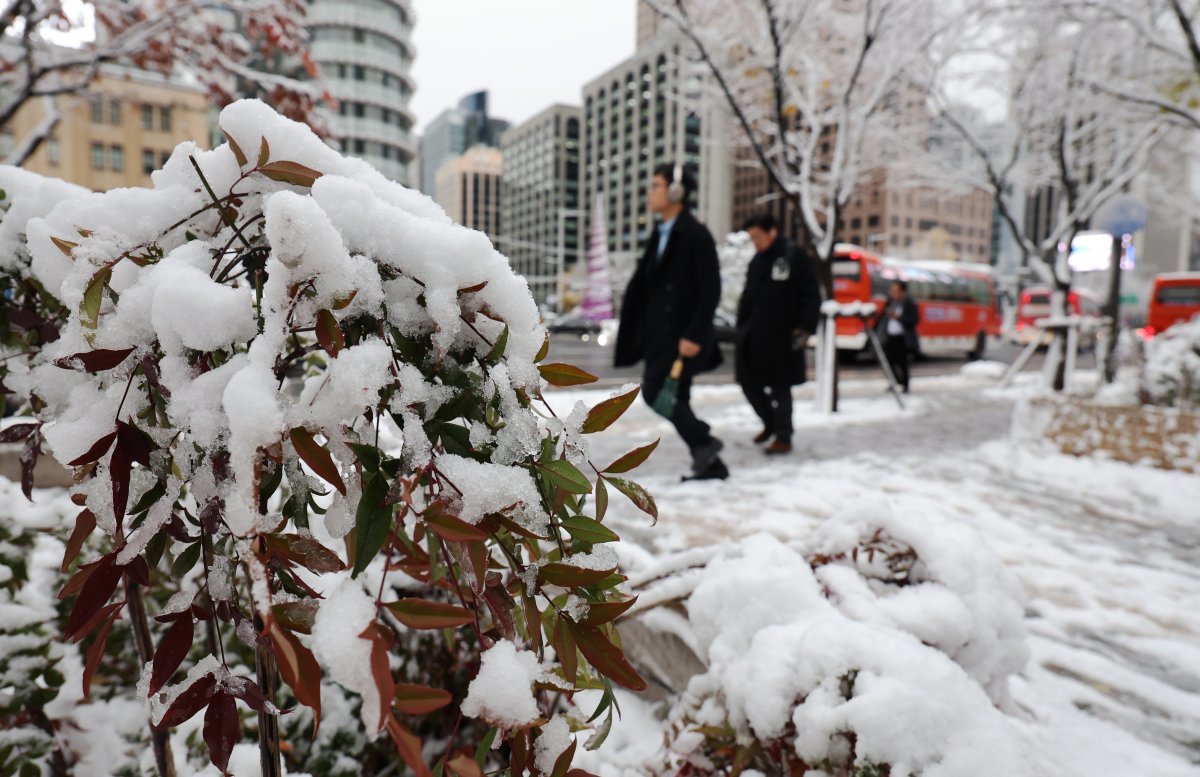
(779, 309)
(898, 329)
(668, 309)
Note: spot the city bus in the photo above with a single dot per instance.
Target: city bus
(1034, 303)
(957, 301)
(1175, 298)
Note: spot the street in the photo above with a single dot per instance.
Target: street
(591, 355)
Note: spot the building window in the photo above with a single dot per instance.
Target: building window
(147, 117)
(165, 119)
(114, 112)
(97, 156)
(53, 151)
(97, 110)
(163, 158)
(147, 161)
(116, 158)
(360, 73)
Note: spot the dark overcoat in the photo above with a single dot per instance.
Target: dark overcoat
(910, 316)
(672, 298)
(780, 307)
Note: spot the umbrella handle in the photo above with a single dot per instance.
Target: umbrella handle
(677, 369)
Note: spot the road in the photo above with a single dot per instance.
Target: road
(590, 355)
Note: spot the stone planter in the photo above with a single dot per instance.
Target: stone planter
(1167, 438)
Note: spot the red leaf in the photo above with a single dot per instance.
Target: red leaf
(632, 459)
(248, 691)
(637, 494)
(603, 612)
(408, 745)
(453, 529)
(565, 375)
(329, 333)
(296, 616)
(94, 654)
(299, 668)
(380, 638)
(94, 361)
(98, 449)
(463, 765)
(17, 432)
(221, 729)
(138, 571)
(290, 172)
(317, 457)
(563, 641)
(85, 522)
(563, 762)
(477, 554)
(568, 576)
(171, 651)
(136, 443)
(97, 588)
(424, 614)
(193, 699)
(607, 412)
(419, 699)
(606, 657)
(101, 614)
(307, 552)
(120, 467)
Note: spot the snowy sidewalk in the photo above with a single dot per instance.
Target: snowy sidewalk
(1108, 554)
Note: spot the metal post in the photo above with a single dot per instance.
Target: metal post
(1072, 351)
(893, 385)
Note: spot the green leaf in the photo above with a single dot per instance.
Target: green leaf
(568, 576)
(367, 455)
(632, 460)
(93, 295)
(638, 495)
(566, 476)
(601, 499)
(451, 528)
(565, 375)
(185, 561)
(372, 522)
(425, 614)
(290, 172)
(238, 154)
(497, 351)
(597, 739)
(485, 746)
(587, 530)
(317, 457)
(607, 412)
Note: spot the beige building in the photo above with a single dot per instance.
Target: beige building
(116, 133)
(468, 188)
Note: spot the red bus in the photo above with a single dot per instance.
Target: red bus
(957, 301)
(1176, 298)
(1034, 303)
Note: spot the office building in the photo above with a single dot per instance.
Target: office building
(468, 189)
(648, 110)
(365, 53)
(116, 133)
(464, 126)
(540, 197)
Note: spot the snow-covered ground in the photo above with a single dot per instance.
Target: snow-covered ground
(1108, 555)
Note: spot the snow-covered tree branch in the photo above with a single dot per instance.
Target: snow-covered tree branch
(230, 47)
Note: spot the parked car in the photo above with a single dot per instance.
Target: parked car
(571, 322)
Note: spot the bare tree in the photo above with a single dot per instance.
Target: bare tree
(1061, 132)
(823, 93)
(228, 46)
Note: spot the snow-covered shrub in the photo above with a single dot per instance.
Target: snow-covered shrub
(734, 254)
(303, 411)
(882, 647)
(1171, 376)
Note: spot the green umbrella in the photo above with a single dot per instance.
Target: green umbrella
(664, 403)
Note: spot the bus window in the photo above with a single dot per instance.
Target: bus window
(1178, 295)
(847, 268)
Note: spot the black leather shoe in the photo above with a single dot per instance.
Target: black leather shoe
(715, 471)
(704, 455)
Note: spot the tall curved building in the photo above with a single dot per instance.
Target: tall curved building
(365, 53)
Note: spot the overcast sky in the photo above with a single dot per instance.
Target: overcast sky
(528, 54)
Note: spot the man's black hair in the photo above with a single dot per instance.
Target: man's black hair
(764, 221)
(902, 284)
(666, 171)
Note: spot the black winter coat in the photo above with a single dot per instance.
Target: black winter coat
(672, 298)
(780, 307)
(910, 316)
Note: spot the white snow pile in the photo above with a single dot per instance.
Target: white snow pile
(353, 243)
(734, 255)
(832, 307)
(1172, 371)
(502, 692)
(885, 638)
(983, 370)
(26, 196)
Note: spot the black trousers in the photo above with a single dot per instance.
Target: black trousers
(896, 351)
(693, 431)
(772, 404)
